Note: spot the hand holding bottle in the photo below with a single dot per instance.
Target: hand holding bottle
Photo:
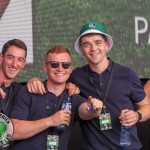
(66, 105)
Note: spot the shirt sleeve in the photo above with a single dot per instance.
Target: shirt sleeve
(137, 90)
(78, 100)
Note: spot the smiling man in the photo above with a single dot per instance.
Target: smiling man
(13, 60)
(36, 117)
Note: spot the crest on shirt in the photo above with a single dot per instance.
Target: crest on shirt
(6, 130)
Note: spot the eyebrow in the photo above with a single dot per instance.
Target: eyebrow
(15, 56)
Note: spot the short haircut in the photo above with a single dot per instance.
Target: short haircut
(14, 42)
(57, 50)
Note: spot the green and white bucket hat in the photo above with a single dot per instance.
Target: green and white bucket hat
(93, 27)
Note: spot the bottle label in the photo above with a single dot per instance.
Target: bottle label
(65, 105)
(52, 142)
(68, 106)
(105, 121)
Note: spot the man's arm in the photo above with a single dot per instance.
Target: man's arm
(144, 108)
(147, 88)
(25, 129)
(130, 117)
(35, 86)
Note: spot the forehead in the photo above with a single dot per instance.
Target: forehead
(15, 51)
(62, 57)
(92, 36)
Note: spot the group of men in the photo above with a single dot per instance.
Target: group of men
(108, 91)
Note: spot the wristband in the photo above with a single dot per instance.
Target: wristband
(139, 116)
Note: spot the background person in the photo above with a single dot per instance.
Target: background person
(147, 88)
(143, 127)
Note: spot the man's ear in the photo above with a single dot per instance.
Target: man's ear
(71, 69)
(1, 57)
(24, 64)
(107, 46)
(45, 68)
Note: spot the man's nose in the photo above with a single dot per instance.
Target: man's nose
(14, 62)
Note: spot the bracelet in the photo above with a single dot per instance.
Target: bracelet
(139, 116)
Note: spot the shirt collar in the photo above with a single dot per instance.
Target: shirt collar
(109, 68)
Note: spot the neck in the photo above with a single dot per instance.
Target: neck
(56, 89)
(101, 67)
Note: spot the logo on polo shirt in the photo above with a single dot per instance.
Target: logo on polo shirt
(6, 130)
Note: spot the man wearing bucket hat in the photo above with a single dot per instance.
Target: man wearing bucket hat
(117, 86)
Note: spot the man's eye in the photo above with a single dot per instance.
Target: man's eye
(10, 57)
(20, 59)
(86, 45)
(97, 43)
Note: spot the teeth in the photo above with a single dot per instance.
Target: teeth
(60, 74)
(94, 54)
(12, 69)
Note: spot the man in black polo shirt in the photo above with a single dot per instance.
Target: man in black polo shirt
(13, 60)
(36, 117)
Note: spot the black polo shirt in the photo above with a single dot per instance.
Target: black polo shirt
(7, 103)
(125, 90)
(30, 106)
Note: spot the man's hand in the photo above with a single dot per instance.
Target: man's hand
(2, 93)
(36, 86)
(128, 117)
(60, 117)
(96, 104)
(86, 113)
(72, 89)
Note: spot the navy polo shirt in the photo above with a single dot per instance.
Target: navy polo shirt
(33, 107)
(7, 103)
(125, 90)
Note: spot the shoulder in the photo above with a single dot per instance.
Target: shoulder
(124, 69)
(83, 69)
(78, 99)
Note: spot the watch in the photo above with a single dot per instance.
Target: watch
(139, 116)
